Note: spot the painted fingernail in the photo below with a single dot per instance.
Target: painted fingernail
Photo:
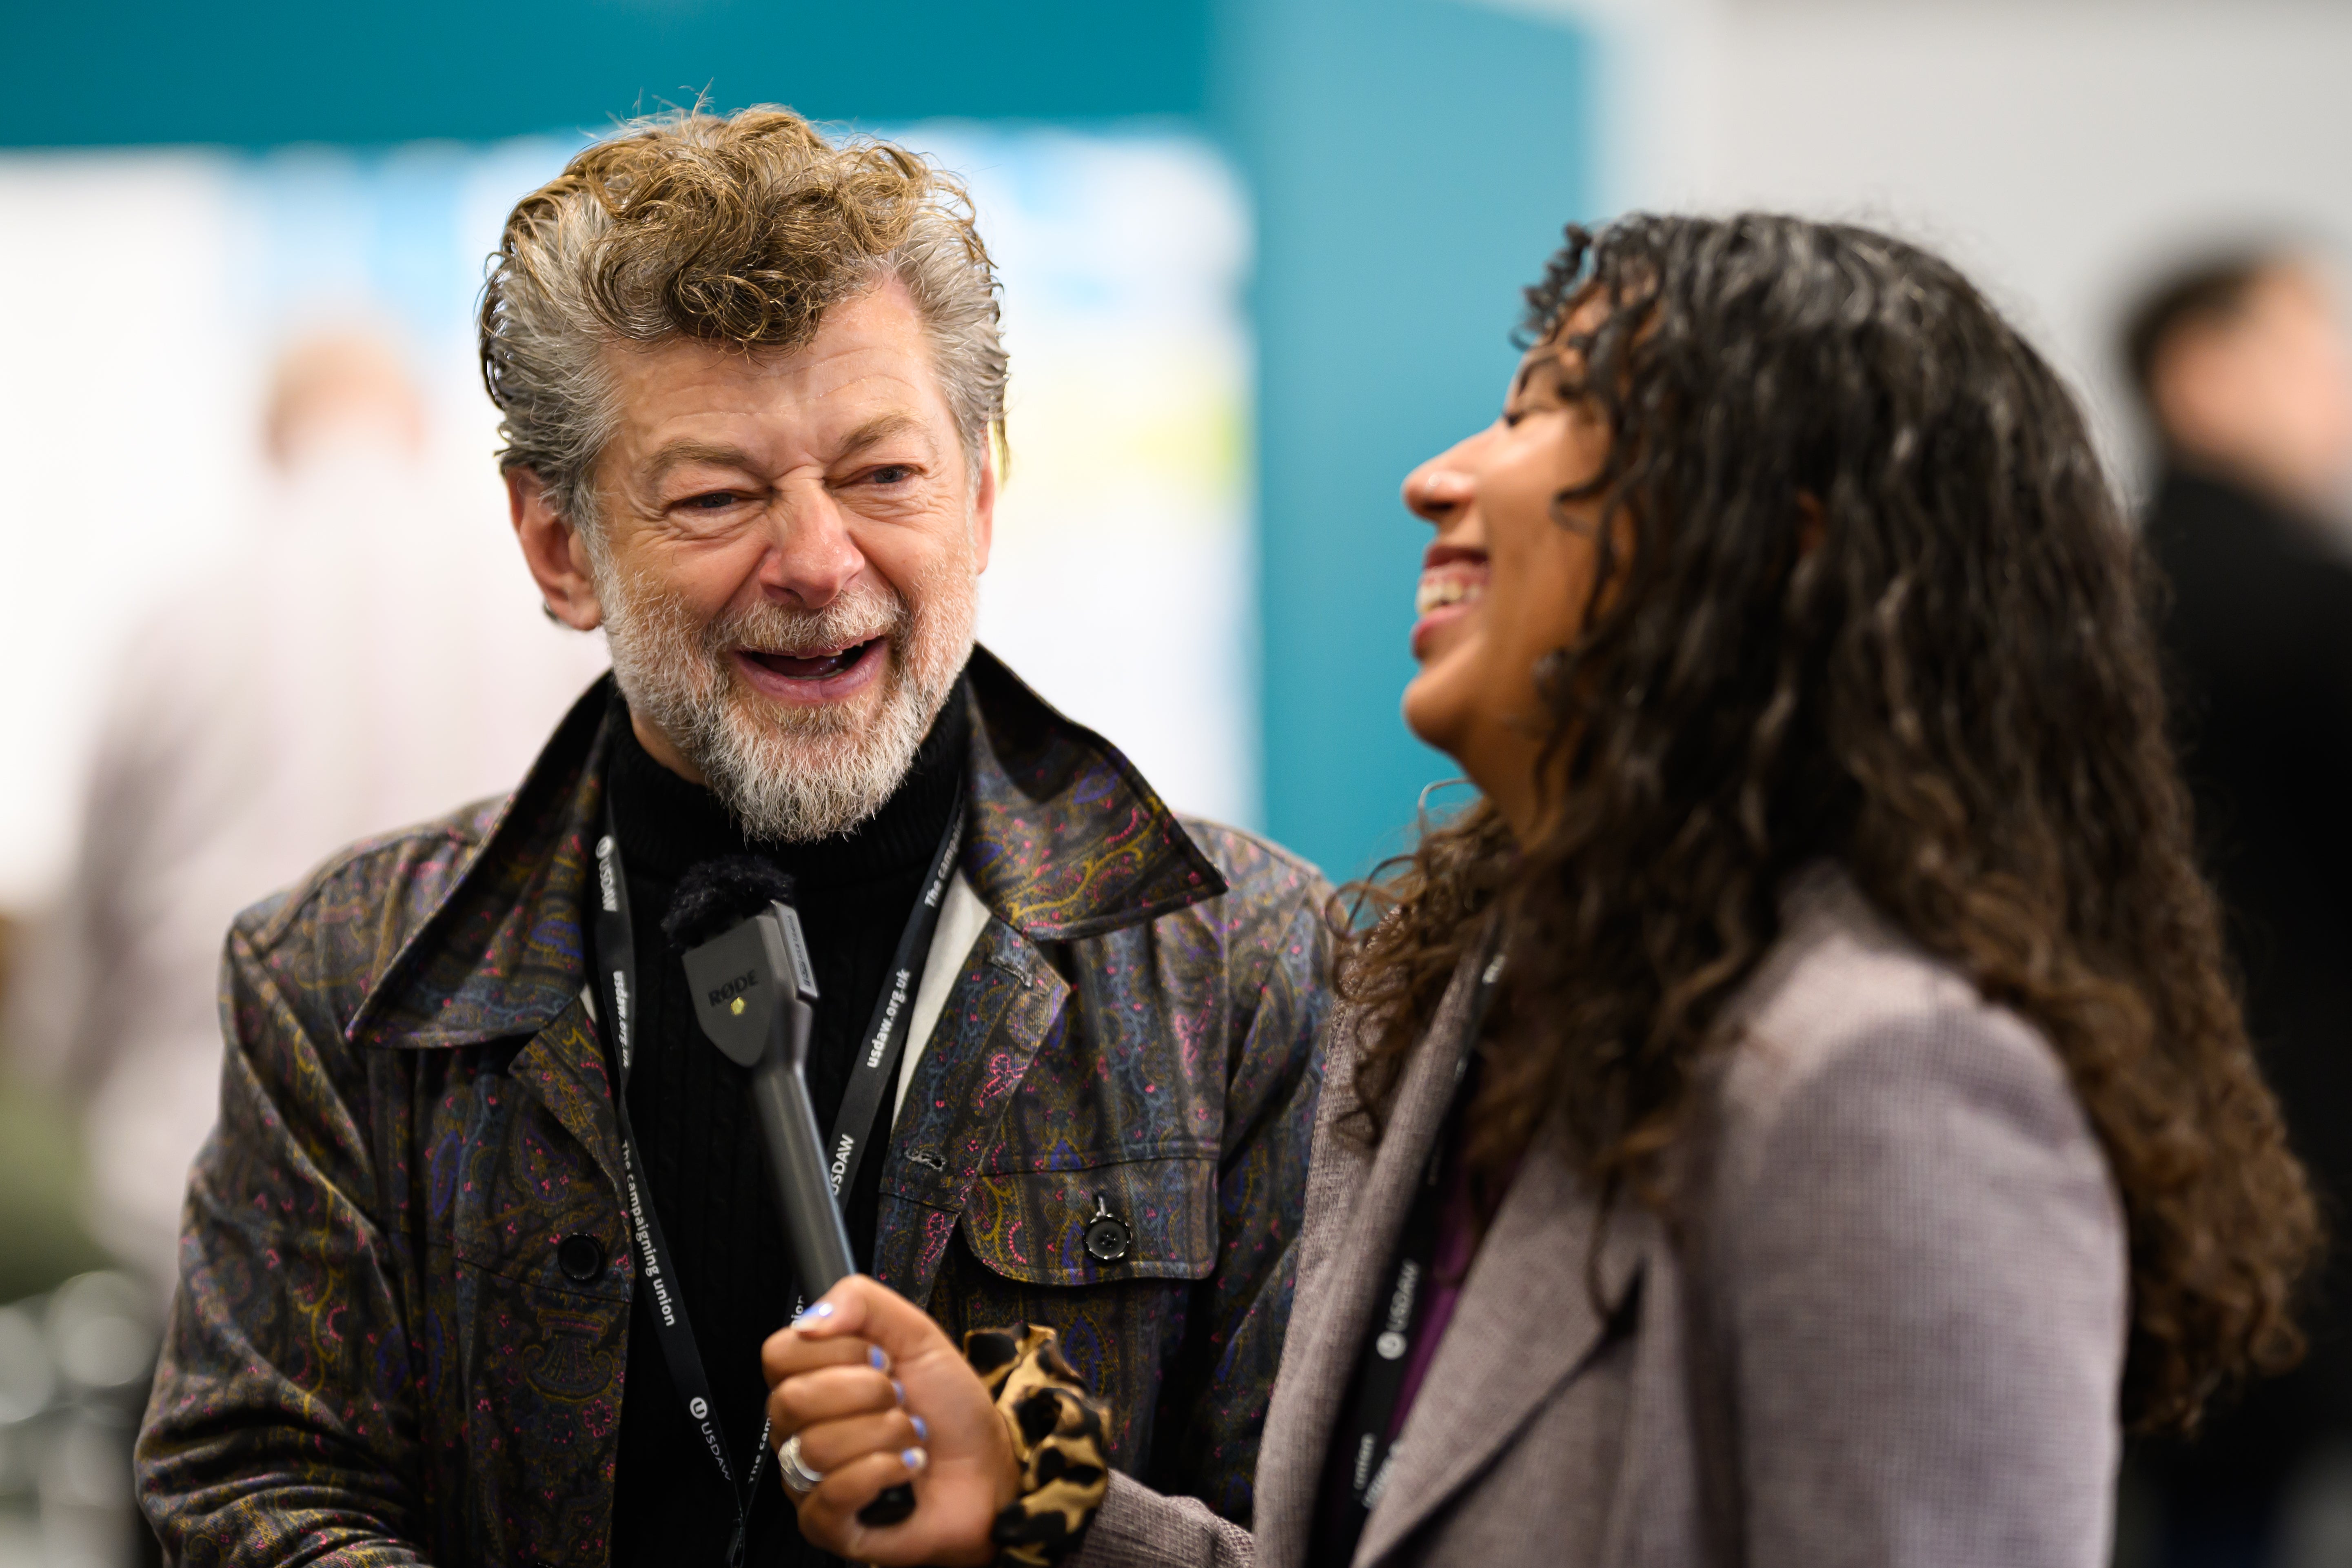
(821, 1309)
(899, 1390)
(922, 1429)
(914, 1459)
(876, 1359)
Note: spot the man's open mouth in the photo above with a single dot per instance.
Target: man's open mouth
(811, 667)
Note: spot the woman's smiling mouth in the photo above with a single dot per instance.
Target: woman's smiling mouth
(1453, 579)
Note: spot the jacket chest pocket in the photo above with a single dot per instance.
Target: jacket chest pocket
(1151, 1218)
(511, 1192)
(1106, 1255)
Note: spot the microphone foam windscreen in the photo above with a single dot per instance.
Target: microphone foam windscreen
(717, 895)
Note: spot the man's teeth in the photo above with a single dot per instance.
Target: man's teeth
(1436, 593)
(810, 666)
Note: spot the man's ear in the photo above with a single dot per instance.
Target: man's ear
(983, 502)
(556, 554)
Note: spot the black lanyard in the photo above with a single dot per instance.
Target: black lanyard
(876, 1070)
(1362, 1445)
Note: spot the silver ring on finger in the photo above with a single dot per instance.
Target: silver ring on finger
(798, 1479)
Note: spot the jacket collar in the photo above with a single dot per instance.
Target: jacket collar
(1067, 841)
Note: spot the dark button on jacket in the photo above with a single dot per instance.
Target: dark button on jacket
(582, 1258)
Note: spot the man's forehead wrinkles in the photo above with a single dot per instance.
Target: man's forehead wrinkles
(813, 374)
(827, 370)
(778, 452)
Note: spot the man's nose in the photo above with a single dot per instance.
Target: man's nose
(811, 556)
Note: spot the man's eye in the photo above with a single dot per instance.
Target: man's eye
(892, 474)
(713, 502)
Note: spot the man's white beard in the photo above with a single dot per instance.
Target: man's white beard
(791, 774)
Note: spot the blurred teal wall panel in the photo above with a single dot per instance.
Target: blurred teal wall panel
(1413, 163)
(263, 72)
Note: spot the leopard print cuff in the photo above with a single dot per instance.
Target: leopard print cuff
(1057, 1439)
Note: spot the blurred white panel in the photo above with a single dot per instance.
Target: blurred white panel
(124, 435)
(1123, 580)
(2058, 151)
(150, 292)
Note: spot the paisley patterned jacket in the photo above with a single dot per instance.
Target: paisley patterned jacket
(377, 1353)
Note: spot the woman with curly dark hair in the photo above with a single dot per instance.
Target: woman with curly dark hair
(1799, 1115)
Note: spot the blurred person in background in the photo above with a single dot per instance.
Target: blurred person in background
(753, 392)
(1800, 1116)
(2243, 368)
(359, 658)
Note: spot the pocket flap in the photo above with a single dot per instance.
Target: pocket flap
(1033, 1226)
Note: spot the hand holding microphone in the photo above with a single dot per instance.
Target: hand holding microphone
(827, 1388)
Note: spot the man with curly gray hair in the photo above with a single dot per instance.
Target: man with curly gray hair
(478, 1265)
(640, 304)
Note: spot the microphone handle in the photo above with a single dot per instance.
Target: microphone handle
(812, 1223)
(820, 1242)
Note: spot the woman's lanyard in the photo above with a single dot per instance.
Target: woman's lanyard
(1364, 1441)
(885, 1042)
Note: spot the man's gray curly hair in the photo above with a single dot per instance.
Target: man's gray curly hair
(739, 229)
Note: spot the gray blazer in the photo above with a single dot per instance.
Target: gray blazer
(1890, 1330)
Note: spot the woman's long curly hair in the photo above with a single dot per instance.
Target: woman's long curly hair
(1866, 596)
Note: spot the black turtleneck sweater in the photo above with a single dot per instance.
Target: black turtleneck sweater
(700, 1144)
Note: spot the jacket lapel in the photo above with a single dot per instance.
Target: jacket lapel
(565, 1066)
(1004, 1005)
(501, 950)
(1334, 1311)
(1526, 1324)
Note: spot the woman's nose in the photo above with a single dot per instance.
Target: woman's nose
(1437, 490)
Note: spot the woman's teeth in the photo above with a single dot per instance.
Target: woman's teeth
(1436, 593)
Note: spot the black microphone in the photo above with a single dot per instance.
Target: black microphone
(754, 991)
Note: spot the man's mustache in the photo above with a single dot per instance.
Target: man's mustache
(809, 634)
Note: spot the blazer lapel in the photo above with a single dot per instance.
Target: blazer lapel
(1334, 1311)
(1526, 1324)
